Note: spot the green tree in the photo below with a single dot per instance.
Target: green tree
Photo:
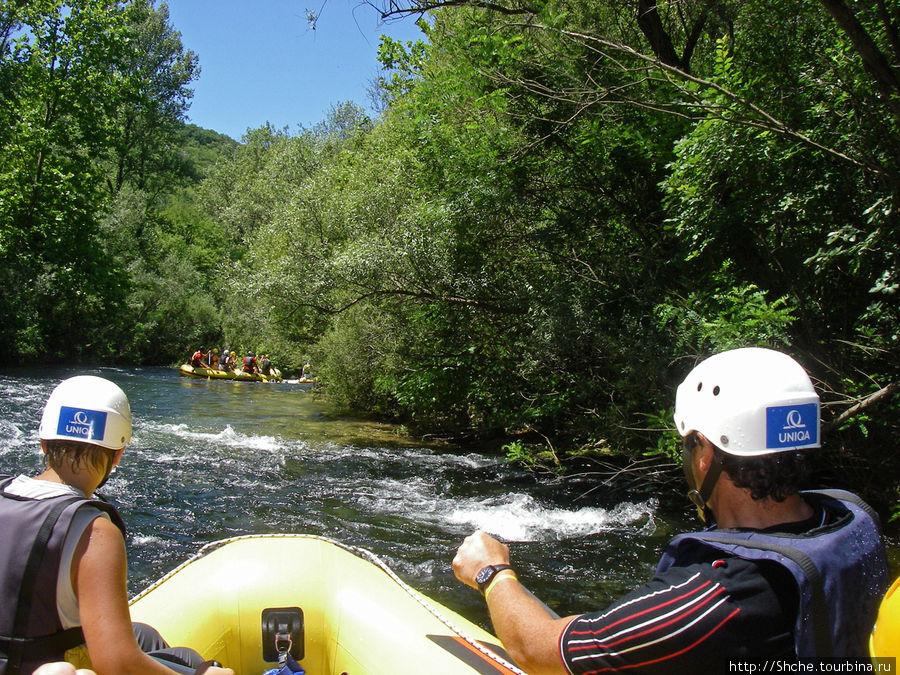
(92, 111)
(155, 71)
(60, 87)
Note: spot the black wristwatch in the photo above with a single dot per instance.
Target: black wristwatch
(485, 574)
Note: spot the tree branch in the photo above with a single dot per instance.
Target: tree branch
(673, 75)
(873, 60)
(861, 405)
(651, 26)
(890, 28)
(421, 6)
(692, 40)
(415, 295)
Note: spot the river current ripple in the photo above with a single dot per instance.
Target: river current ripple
(215, 459)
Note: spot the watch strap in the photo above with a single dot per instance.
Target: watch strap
(486, 574)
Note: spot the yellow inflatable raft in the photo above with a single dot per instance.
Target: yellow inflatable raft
(188, 370)
(346, 612)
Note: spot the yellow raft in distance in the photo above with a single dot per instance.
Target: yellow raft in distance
(358, 617)
(188, 370)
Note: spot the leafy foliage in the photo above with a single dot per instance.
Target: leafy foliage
(93, 91)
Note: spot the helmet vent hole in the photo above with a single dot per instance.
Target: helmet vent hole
(716, 390)
(699, 386)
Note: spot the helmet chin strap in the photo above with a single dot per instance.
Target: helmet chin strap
(700, 497)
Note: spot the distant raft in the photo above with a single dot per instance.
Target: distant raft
(216, 374)
(336, 609)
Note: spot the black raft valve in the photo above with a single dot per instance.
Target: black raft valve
(282, 633)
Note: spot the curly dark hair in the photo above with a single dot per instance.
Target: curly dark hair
(775, 476)
(76, 454)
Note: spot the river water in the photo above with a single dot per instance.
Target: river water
(214, 459)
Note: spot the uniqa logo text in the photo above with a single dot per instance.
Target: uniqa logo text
(80, 425)
(794, 436)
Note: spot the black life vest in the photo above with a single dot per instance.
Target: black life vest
(32, 534)
(840, 570)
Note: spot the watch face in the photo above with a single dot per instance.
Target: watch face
(484, 575)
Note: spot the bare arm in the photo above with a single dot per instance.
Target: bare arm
(528, 632)
(99, 577)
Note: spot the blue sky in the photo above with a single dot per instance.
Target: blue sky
(262, 62)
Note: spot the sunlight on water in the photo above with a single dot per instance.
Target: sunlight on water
(518, 517)
(227, 437)
(511, 516)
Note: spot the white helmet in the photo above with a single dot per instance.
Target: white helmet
(749, 402)
(88, 409)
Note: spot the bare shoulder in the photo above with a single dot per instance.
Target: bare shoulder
(100, 552)
(101, 531)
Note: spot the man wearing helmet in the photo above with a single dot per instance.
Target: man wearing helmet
(212, 359)
(780, 574)
(225, 363)
(62, 554)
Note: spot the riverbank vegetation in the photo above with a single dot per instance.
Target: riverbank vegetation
(558, 209)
